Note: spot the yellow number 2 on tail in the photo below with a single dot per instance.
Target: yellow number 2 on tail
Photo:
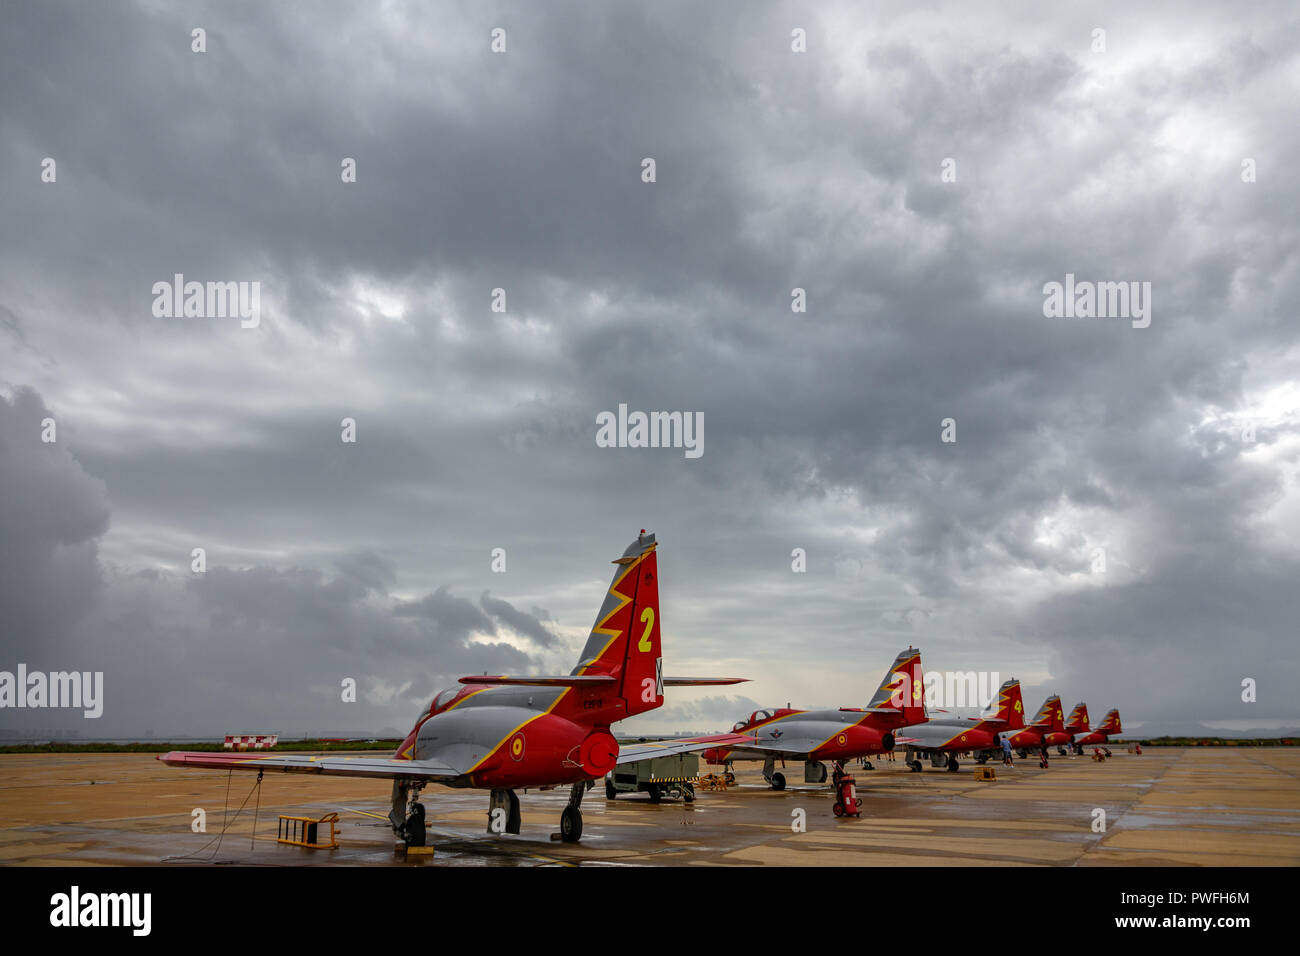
(648, 619)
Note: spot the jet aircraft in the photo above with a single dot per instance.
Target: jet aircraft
(949, 736)
(814, 736)
(1101, 736)
(1049, 719)
(1076, 723)
(501, 733)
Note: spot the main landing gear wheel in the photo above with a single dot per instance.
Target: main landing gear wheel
(688, 792)
(982, 759)
(778, 781)
(655, 793)
(503, 812)
(1023, 754)
(866, 765)
(571, 818)
(571, 825)
(413, 831)
(952, 764)
(916, 766)
(610, 792)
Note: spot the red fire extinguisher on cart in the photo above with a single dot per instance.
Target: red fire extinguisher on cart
(846, 798)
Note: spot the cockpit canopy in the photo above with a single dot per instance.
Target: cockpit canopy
(754, 718)
(444, 697)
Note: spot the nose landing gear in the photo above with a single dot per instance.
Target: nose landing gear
(407, 821)
(771, 775)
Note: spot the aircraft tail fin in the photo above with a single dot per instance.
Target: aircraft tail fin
(1008, 708)
(1077, 722)
(1050, 715)
(625, 640)
(1111, 724)
(903, 689)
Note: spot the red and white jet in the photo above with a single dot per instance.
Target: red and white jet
(504, 733)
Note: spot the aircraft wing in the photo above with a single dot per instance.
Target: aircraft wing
(592, 680)
(559, 680)
(327, 764)
(762, 751)
(633, 753)
(928, 735)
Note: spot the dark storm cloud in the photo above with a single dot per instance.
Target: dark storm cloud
(530, 626)
(475, 429)
(51, 516)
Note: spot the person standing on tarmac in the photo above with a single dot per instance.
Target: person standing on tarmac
(1006, 752)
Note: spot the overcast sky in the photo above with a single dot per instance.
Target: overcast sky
(774, 170)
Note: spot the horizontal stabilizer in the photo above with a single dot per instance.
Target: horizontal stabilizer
(702, 681)
(564, 680)
(634, 753)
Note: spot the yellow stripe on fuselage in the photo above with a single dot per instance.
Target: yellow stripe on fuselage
(497, 746)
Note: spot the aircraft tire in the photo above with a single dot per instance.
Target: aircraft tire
(610, 792)
(778, 781)
(952, 764)
(654, 792)
(688, 792)
(413, 831)
(867, 765)
(916, 766)
(571, 825)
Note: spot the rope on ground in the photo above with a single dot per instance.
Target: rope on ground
(227, 822)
